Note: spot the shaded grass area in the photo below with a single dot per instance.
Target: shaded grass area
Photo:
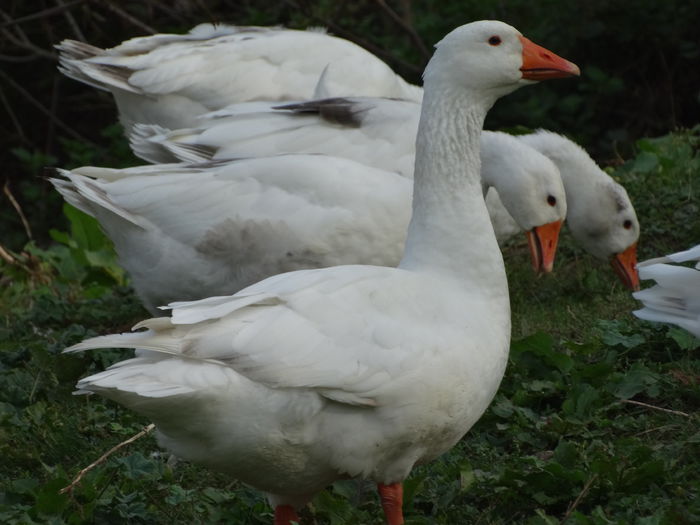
(596, 421)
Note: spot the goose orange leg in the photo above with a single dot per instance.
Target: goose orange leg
(285, 515)
(392, 502)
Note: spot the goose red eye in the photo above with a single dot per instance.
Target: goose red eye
(495, 40)
(552, 201)
(627, 224)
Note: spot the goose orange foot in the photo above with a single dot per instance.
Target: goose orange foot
(285, 515)
(392, 502)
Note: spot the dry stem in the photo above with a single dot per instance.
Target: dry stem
(104, 457)
(580, 497)
(639, 403)
(18, 209)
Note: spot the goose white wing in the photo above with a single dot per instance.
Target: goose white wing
(213, 66)
(186, 232)
(335, 331)
(374, 131)
(675, 298)
(692, 254)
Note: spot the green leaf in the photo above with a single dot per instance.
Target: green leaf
(466, 476)
(85, 229)
(645, 162)
(49, 501)
(136, 466)
(638, 379)
(566, 454)
(612, 335)
(685, 340)
(24, 485)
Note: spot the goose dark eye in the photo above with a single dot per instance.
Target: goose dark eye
(627, 224)
(552, 200)
(495, 40)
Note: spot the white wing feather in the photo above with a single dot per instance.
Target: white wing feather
(675, 298)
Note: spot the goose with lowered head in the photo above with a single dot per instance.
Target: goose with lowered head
(169, 79)
(381, 132)
(352, 371)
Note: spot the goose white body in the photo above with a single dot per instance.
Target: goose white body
(186, 233)
(170, 79)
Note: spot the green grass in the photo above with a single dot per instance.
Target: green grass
(560, 441)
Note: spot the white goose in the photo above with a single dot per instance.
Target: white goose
(249, 219)
(381, 133)
(351, 371)
(675, 298)
(169, 79)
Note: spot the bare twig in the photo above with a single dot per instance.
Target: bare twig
(45, 111)
(126, 16)
(18, 59)
(13, 117)
(104, 457)
(41, 14)
(7, 256)
(71, 21)
(579, 498)
(179, 17)
(22, 40)
(639, 403)
(417, 40)
(25, 44)
(343, 33)
(51, 131)
(18, 208)
(655, 429)
(369, 46)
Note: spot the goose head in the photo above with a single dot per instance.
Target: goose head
(612, 232)
(600, 215)
(499, 60)
(530, 187)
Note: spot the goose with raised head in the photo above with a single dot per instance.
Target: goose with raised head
(600, 214)
(169, 79)
(675, 298)
(352, 371)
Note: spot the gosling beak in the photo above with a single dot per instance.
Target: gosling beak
(542, 241)
(625, 266)
(541, 64)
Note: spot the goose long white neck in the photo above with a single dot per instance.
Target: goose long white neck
(450, 232)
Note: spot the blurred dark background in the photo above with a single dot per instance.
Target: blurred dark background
(640, 61)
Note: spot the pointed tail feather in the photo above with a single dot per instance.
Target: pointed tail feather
(86, 194)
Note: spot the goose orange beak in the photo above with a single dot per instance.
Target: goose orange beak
(625, 266)
(542, 241)
(541, 64)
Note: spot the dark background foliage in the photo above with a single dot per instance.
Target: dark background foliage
(640, 62)
(596, 421)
